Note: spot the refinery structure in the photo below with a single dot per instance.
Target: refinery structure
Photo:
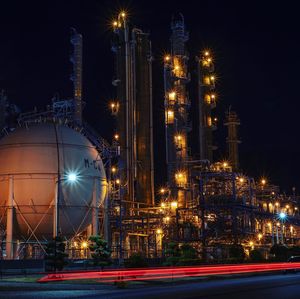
(59, 177)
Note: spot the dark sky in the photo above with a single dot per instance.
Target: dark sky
(255, 43)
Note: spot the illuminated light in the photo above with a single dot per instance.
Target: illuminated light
(209, 59)
(291, 228)
(263, 181)
(215, 119)
(169, 116)
(172, 96)
(241, 180)
(259, 236)
(84, 244)
(225, 164)
(213, 96)
(282, 215)
(296, 208)
(181, 178)
(167, 219)
(287, 206)
(159, 231)
(209, 122)
(206, 80)
(174, 204)
(123, 14)
(170, 272)
(116, 136)
(113, 169)
(118, 181)
(251, 243)
(163, 205)
(269, 224)
(115, 23)
(75, 244)
(212, 78)
(178, 139)
(273, 193)
(72, 177)
(119, 25)
(277, 204)
(162, 191)
(206, 53)
(167, 58)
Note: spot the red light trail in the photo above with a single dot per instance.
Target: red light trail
(167, 273)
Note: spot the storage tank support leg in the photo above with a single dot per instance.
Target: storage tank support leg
(55, 211)
(106, 214)
(10, 220)
(95, 209)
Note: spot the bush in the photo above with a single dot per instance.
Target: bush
(136, 260)
(236, 253)
(100, 252)
(281, 252)
(256, 256)
(294, 250)
(55, 257)
(184, 255)
(188, 251)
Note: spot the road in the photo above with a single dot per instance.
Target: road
(269, 286)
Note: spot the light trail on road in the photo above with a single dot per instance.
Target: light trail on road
(109, 276)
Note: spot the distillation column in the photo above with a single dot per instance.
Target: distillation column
(207, 102)
(232, 122)
(133, 111)
(76, 59)
(177, 104)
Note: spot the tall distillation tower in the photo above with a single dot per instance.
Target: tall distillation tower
(207, 102)
(133, 111)
(177, 105)
(232, 122)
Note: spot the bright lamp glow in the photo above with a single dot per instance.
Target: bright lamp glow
(72, 177)
(282, 215)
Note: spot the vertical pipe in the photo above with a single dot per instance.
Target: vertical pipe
(128, 107)
(202, 206)
(57, 189)
(10, 219)
(55, 210)
(95, 209)
(107, 235)
(151, 128)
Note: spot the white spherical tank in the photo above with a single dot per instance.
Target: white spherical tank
(37, 161)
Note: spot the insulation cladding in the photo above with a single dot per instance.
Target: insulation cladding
(133, 75)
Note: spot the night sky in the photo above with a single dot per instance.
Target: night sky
(256, 47)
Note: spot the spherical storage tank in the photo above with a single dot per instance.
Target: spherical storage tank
(30, 160)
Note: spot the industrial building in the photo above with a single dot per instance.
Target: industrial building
(59, 177)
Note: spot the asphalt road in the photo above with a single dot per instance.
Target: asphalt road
(269, 286)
